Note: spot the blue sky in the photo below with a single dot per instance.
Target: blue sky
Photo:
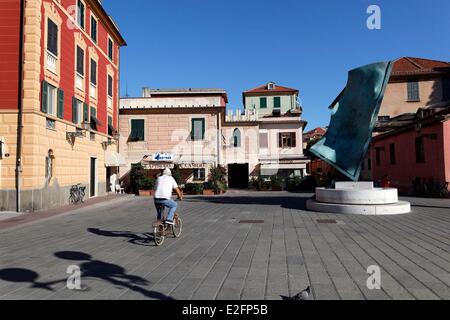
(238, 45)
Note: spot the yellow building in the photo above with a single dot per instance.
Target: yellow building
(59, 107)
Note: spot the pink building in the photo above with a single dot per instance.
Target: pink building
(419, 150)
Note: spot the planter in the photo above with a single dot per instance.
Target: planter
(146, 193)
(208, 192)
(277, 189)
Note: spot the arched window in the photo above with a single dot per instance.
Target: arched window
(236, 138)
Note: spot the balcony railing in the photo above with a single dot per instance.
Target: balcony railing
(109, 102)
(79, 81)
(93, 91)
(51, 62)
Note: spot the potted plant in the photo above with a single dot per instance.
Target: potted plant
(208, 188)
(218, 178)
(193, 188)
(276, 183)
(146, 186)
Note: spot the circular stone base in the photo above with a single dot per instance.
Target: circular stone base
(373, 196)
(400, 207)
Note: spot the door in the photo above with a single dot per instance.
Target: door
(108, 180)
(238, 176)
(93, 180)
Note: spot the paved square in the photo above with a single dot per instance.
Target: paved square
(218, 257)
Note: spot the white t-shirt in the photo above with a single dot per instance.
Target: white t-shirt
(164, 187)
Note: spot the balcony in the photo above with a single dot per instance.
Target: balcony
(51, 62)
(109, 102)
(93, 91)
(79, 79)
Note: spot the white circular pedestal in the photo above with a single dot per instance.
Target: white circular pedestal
(358, 198)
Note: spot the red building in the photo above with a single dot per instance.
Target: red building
(418, 151)
(59, 74)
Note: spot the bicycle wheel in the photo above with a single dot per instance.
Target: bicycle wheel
(177, 227)
(158, 236)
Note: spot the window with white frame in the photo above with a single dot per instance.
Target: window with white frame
(199, 174)
(79, 81)
(110, 48)
(77, 111)
(94, 28)
(51, 100)
(93, 79)
(81, 10)
(52, 45)
(110, 86)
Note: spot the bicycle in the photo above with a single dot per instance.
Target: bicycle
(77, 193)
(161, 229)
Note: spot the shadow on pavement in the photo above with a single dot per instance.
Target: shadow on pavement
(112, 273)
(134, 238)
(295, 201)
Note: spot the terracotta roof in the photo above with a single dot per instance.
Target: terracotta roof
(319, 130)
(277, 88)
(415, 66)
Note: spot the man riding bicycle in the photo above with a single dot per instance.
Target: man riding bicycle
(163, 194)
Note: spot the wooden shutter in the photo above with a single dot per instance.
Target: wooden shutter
(263, 103)
(413, 91)
(44, 97)
(52, 37)
(74, 110)
(294, 139)
(60, 104)
(110, 84)
(277, 102)
(85, 112)
(192, 129)
(280, 140)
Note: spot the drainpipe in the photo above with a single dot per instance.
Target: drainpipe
(20, 106)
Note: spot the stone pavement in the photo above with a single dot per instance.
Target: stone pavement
(223, 255)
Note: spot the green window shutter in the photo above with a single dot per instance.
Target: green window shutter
(192, 129)
(263, 103)
(74, 110)
(277, 102)
(85, 113)
(93, 119)
(110, 126)
(137, 130)
(60, 108)
(44, 102)
(203, 129)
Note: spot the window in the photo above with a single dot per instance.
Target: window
(52, 100)
(50, 124)
(110, 49)
(236, 138)
(80, 13)
(413, 91)
(263, 140)
(80, 61)
(93, 72)
(77, 111)
(110, 86)
(198, 129)
(271, 86)
(94, 121)
(137, 130)
(263, 103)
(199, 174)
(378, 156)
(93, 29)
(287, 140)
(110, 126)
(420, 150)
(277, 102)
(52, 37)
(445, 89)
(392, 153)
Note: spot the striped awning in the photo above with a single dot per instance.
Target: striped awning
(114, 159)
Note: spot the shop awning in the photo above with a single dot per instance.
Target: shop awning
(283, 166)
(114, 159)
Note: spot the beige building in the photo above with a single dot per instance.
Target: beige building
(164, 128)
(190, 128)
